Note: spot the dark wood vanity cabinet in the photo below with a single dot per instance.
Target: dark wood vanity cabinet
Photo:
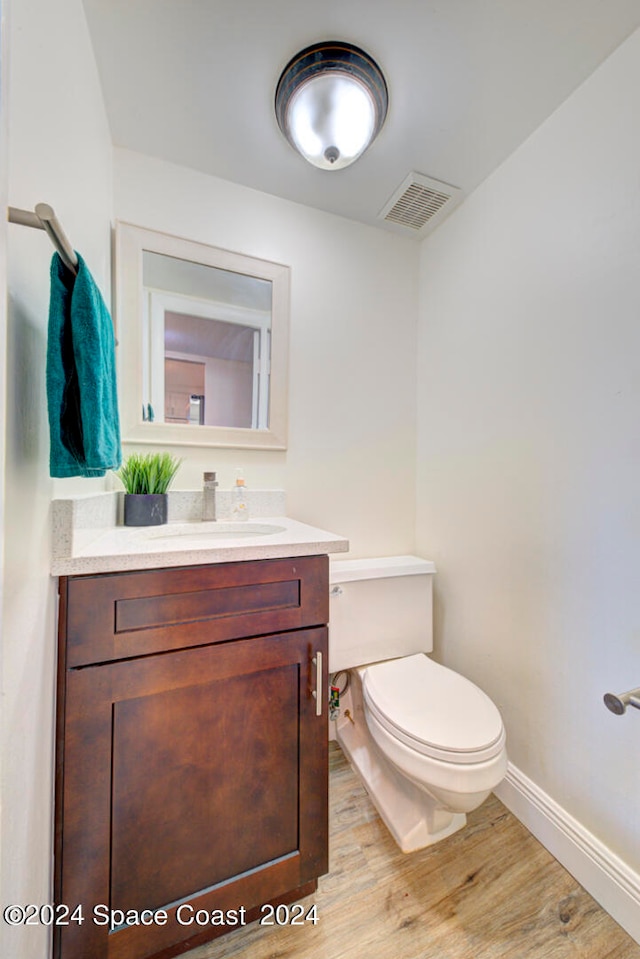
(192, 754)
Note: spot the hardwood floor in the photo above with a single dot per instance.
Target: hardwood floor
(490, 891)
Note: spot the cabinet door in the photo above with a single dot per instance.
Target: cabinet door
(193, 780)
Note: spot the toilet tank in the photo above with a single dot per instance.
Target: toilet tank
(379, 609)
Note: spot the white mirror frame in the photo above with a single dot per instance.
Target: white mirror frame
(131, 242)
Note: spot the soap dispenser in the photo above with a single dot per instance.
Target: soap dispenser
(240, 509)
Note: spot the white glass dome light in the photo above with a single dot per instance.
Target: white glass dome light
(331, 120)
(331, 102)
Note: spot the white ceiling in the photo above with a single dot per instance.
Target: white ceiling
(193, 81)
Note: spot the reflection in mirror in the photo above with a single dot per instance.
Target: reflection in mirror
(208, 332)
(206, 344)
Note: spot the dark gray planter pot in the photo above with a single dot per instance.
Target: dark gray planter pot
(145, 509)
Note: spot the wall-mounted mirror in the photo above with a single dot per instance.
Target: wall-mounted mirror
(203, 343)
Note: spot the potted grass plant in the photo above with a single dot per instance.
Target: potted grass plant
(146, 477)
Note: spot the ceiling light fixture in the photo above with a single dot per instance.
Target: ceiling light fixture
(331, 102)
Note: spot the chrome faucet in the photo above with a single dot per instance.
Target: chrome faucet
(209, 496)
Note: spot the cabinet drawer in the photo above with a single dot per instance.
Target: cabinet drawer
(122, 615)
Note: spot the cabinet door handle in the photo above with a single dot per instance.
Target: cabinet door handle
(317, 692)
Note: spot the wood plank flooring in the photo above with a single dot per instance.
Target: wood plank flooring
(491, 891)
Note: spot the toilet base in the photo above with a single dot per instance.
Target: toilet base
(412, 816)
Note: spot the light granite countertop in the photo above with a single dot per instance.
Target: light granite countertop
(87, 536)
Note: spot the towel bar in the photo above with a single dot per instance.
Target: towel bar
(45, 219)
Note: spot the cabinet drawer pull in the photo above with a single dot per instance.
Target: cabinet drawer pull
(317, 692)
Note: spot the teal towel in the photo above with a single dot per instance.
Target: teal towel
(84, 426)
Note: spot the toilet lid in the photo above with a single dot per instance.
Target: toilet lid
(434, 710)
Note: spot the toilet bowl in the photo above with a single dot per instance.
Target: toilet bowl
(428, 744)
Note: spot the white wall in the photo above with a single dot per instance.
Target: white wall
(529, 442)
(349, 466)
(59, 153)
(4, 187)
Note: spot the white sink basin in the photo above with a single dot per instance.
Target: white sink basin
(205, 532)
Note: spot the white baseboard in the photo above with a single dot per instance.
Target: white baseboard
(604, 875)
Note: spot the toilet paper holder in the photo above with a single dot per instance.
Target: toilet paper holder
(618, 703)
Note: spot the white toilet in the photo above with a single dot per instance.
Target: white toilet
(428, 744)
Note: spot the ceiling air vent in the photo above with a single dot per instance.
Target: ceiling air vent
(420, 203)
